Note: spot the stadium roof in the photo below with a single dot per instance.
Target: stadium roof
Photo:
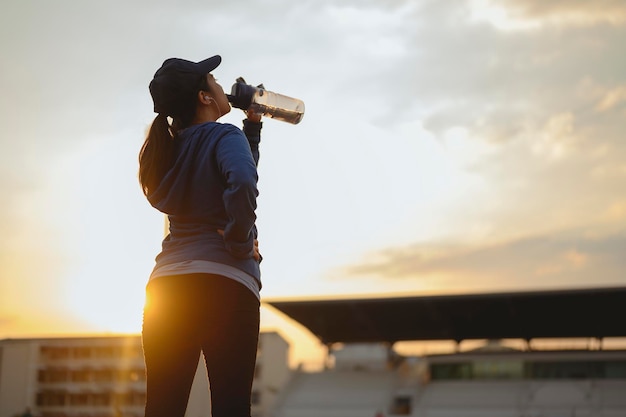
(577, 313)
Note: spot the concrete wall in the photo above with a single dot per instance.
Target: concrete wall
(17, 377)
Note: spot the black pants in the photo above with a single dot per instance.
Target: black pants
(189, 314)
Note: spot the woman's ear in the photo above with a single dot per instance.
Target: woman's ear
(204, 97)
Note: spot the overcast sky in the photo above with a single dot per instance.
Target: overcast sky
(448, 146)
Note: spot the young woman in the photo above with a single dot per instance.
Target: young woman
(203, 294)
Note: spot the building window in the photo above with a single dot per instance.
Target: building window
(79, 399)
(129, 375)
(104, 352)
(82, 352)
(493, 370)
(51, 398)
(451, 371)
(498, 369)
(123, 398)
(53, 375)
(103, 375)
(52, 352)
(81, 375)
(101, 398)
(564, 370)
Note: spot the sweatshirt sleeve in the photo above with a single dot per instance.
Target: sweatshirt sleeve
(237, 165)
(252, 131)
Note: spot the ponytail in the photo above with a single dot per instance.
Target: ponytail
(155, 156)
(157, 153)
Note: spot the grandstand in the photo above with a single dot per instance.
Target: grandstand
(367, 377)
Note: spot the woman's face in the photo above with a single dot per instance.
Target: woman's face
(217, 92)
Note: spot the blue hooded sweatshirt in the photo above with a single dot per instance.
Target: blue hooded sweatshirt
(211, 186)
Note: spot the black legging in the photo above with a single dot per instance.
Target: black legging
(188, 314)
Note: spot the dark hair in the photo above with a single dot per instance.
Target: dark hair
(157, 151)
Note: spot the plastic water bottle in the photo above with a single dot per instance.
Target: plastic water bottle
(258, 99)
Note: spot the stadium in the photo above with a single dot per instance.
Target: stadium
(366, 377)
(557, 353)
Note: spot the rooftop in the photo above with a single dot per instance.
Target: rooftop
(571, 313)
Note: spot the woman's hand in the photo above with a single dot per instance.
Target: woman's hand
(256, 254)
(253, 116)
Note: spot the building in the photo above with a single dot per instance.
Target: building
(514, 374)
(72, 376)
(271, 375)
(105, 377)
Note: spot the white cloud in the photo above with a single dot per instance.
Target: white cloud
(612, 99)
(570, 258)
(556, 139)
(508, 15)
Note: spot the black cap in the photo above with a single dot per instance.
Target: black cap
(175, 84)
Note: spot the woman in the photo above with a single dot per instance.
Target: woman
(203, 294)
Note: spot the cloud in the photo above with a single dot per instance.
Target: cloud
(613, 98)
(548, 102)
(616, 212)
(516, 15)
(569, 11)
(501, 86)
(422, 120)
(572, 258)
(534, 115)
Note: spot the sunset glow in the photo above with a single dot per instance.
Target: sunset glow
(447, 147)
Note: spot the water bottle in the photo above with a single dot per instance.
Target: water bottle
(258, 99)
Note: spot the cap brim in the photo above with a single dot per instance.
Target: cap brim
(209, 64)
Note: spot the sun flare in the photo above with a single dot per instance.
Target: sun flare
(109, 306)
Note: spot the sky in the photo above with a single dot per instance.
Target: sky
(448, 146)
